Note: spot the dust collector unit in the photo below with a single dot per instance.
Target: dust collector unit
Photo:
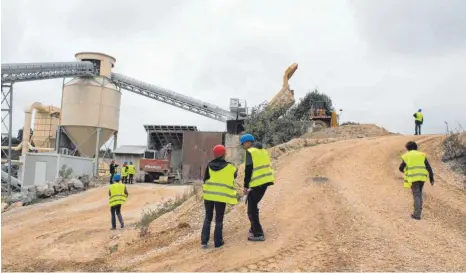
(90, 103)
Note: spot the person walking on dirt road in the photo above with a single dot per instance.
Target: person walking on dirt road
(258, 175)
(117, 197)
(415, 167)
(418, 121)
(218, 189)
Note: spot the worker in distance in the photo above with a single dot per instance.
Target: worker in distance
(418, 121)
(117, 197)
(258, 175)
(416, 167)
(131, 172)
(218, 191)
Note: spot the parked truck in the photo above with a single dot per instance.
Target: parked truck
(156, 168)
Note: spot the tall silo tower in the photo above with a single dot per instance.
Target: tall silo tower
(90, 108)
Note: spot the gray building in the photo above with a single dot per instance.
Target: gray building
(129, 153)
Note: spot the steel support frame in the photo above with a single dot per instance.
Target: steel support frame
(7, 124)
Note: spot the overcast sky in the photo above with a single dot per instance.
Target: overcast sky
(379, 60)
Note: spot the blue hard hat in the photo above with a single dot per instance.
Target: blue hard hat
(246, 138)
(126, 162)
(420, 110)
(131, 162)
(116, 177)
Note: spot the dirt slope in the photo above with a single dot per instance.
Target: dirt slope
(356, 220)
(75, 228)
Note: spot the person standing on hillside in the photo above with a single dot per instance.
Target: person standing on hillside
(113, 167)
(258, 175)
(218, 190)
(416, 167)
(418, 120)
(131, 172)
(117, 197)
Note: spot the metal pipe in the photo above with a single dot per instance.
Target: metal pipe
(13, 161)
(17, 148)
(57, 142)
(96, 166)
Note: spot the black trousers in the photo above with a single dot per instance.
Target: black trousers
(254, 197)
(111, 178)
(116, 210)
(417, 127)
(131, 178)
(219, 208)
(124, 179)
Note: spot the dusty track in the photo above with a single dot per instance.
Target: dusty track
(357, 220)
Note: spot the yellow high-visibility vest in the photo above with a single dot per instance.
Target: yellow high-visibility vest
(419, 116)
(117, 194)
(415, 170)
(220, 186)
(123, 171)
(262, 171)
(131, 169)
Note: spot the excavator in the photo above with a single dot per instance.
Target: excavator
(284, 99)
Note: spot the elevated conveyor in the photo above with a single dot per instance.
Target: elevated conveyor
(178, 100)
(22, 72)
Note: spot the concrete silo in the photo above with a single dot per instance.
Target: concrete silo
(90, 108)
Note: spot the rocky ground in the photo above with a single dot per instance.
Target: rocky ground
(59, 188)
(338, 205)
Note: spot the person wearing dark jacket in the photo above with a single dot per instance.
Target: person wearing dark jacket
(258, 175)
(218, 190)
(113, 167)
(416, 167)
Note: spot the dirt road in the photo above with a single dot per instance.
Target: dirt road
(335, 207)
(76, 228)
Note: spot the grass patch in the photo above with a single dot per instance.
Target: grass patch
(113, 249)
(150, 215)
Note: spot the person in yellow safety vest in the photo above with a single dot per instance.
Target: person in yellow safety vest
(258, 175)
(418, 120)
(131, 172)
(124, 172)
(416, 167)
(117, 197)
(218, 190)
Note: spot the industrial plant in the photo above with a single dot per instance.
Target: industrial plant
(72, 135)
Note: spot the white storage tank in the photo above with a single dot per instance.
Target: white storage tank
(90, 103)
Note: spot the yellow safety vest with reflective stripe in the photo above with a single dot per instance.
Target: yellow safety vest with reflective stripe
(220, 186)
(415, 170)
(262, 171)
(123, 171)
(131, 169)
(117, 194)
(419, 116)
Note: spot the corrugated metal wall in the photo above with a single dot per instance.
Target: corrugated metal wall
(197, 152)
